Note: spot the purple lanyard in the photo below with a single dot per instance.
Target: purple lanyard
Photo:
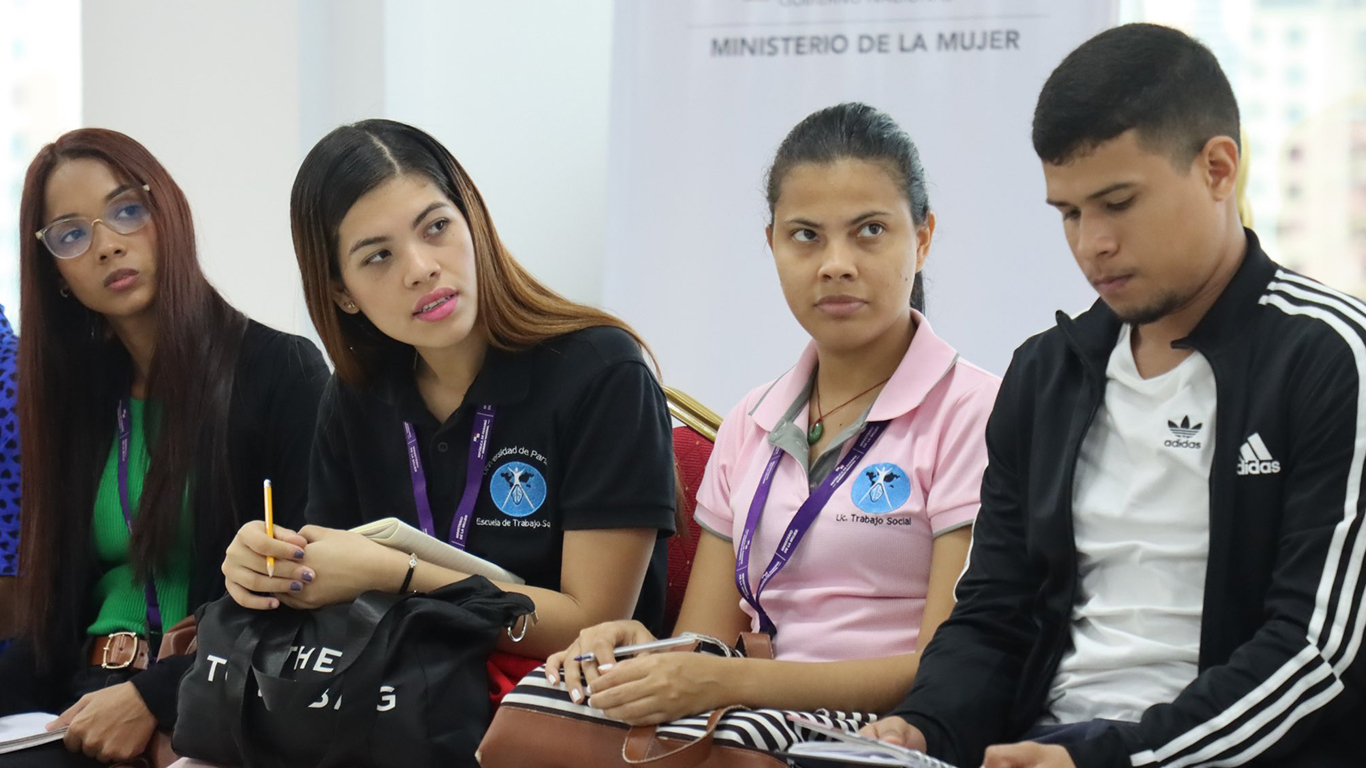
(474, 475)
(801, 522)
(125, 443)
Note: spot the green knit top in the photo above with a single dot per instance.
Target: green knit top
(122, 600)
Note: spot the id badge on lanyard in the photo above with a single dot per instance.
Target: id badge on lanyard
(474, 477)
(801, 522)
(125, 446)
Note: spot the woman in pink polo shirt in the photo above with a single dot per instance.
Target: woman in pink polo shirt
(838, 503)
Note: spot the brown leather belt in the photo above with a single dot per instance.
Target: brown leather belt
(121, 650)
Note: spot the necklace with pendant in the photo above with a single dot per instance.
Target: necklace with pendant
(818, 427)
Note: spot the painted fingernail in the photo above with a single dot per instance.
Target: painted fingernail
(605, 667)
(306, 576)
(549, 676)
(576, 696)
(298, 554)
(295, 586)
(274, 603)
(588, 689)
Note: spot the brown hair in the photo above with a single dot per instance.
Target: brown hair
(72, 373)
(516, 311)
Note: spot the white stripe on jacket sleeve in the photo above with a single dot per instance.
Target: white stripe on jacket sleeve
(1328, 630)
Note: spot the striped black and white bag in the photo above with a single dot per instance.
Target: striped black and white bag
(585, 736)
(765, 729)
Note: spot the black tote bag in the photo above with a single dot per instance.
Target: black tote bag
(387, 680)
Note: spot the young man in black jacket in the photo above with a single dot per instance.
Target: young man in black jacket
(1167, 566)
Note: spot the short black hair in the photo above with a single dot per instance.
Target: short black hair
(1155, 79)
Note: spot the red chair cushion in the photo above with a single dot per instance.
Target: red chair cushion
(691, 451)
(505, 669)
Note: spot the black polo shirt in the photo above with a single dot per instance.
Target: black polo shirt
(581, 440)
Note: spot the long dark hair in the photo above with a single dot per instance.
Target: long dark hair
(860, 132)
(516, 311)
(73, 371)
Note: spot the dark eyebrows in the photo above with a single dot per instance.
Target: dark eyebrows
(383, 238)
(1117, 187)
(438, 204)
(120, 191)
(117, 191)
(869, 215)
(852, 222)
(367, 241)
(1123, 185)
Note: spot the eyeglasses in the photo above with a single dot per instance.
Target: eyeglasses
(125, 214)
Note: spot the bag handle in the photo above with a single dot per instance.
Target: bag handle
(239, 670)
(371, 655)
(755, 645)
(640, 741)
(364, 617)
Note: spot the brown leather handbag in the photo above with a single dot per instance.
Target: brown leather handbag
(524, 735)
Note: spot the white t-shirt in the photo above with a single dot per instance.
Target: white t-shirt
(1141, 516)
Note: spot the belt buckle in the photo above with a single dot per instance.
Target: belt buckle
(104, 661)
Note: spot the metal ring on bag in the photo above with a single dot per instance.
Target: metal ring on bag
(528, 621)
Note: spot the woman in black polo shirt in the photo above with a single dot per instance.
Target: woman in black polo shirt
(444, 344)
(150, 413)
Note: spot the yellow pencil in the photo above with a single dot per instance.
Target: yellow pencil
(270, 529)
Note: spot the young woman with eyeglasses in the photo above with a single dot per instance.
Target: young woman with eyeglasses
(150, 413)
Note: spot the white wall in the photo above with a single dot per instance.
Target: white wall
(230, 97)
(213, 91)
(518, 91)
(40, 84)
(693, 132)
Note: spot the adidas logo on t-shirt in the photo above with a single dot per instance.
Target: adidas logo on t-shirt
(1183, 433)
(1255, 459)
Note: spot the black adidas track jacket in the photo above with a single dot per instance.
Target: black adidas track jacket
(1281, 681)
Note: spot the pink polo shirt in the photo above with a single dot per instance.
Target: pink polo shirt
(856, 586)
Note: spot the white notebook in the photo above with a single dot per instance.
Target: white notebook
(27, 730)
(396, 534)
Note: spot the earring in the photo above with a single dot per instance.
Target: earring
(65, 292)
(351, 305)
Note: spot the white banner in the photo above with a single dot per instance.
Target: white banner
(703, 92)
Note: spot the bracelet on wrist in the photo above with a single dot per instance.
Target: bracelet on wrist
(408, 579)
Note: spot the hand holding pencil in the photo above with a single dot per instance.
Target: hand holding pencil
(270, 527)
(264, 565)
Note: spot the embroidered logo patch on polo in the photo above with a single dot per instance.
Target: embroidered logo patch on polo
(517, 489)
(880, 488)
